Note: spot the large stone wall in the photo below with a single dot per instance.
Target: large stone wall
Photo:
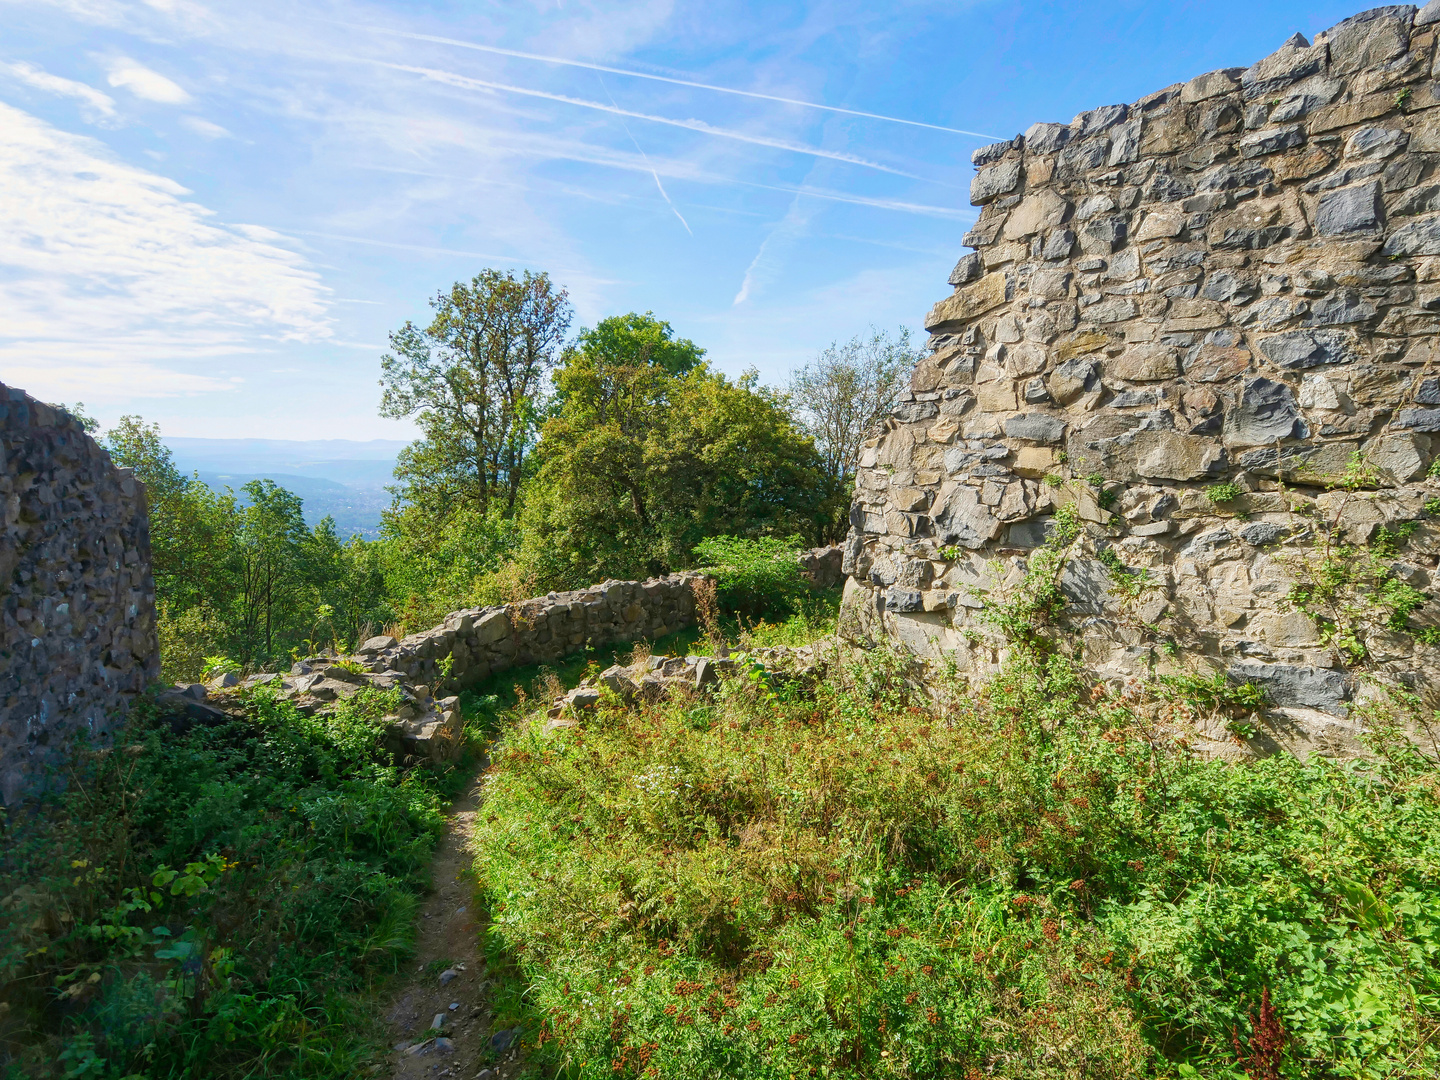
(1233, 280)
(78, 637)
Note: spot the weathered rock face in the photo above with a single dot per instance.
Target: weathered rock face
(1235, 279)
(79, 610)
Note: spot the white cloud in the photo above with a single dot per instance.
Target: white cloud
(110, 278)
(95, 106)
(204, 128)
(144, 83)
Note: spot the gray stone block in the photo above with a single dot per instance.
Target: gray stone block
(1341, 308)
(968, 269)
(1428, 14)
(1094, 121)
(1351, 210)
(1046, 138)
(1262, 532)
(1417, 419)
(1266, 412)
(1302, 349)
(1291, 685)
(990, 183)
(962, 519)
(901, 599)
(1271, 141)
(1035, 427)
(1059, 244)
(992, 153)
(1289, 64)
(1373, 143)
(1421, 237)
(1368, 39)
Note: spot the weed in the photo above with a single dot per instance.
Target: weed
(216, 666)
(1221, 494)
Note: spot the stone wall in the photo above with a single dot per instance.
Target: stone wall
(434, 666)
(1233, 281)
(79, 610)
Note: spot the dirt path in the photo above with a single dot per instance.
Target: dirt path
(448, 974)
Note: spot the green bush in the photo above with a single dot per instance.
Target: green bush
(756, 578)
(214, 903)
(1022, 884)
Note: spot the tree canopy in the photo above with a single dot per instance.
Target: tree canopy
(474, 381)
(650, 451)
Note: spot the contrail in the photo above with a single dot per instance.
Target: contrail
(662, 78)
(646, 157)
(466, 82)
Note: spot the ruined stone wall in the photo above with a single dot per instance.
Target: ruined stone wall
(1235, 280)
(78, 638)
(478, 642)
(434, 666)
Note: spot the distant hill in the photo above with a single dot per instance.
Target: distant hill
(336, 477)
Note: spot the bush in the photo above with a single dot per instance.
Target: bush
(1022, 885)
(756, 578)
(213, 903)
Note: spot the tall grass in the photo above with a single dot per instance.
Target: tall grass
(852, 882)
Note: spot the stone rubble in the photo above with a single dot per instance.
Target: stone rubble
(1235, 279)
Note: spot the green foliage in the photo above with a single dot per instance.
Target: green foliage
(242, 575)
(218, 665)
(214, 903)
(755, 577)
(839, 398)
(77, 412)
(1220, 494)
(773, 885)
(1027, 617)
(1352, 593)
(1434, 471)
(640, 464)
(473, 380)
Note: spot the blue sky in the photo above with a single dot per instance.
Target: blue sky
(211, 214)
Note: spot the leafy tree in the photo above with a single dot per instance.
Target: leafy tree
(841, 395)
(192, 528)
(474, 381)
(650, 452)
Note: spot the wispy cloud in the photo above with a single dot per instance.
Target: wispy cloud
(107, 272)
(765, 265)
(95, 106)
(204, 128)
(143, 83)
(468, 83)
(632, 73)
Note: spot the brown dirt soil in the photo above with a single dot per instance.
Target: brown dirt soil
(448, 937)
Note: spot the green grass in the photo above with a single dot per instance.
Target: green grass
(850, 884)
(216, 903)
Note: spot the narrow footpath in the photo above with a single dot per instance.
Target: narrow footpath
(440, 1019)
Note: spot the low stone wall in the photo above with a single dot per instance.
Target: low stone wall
(77, 635)
(477, 642)
(434, 666)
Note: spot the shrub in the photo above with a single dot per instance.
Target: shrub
(213, 903)
(757, 577)
(1023, 884)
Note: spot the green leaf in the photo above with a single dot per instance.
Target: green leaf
(1365, 909)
